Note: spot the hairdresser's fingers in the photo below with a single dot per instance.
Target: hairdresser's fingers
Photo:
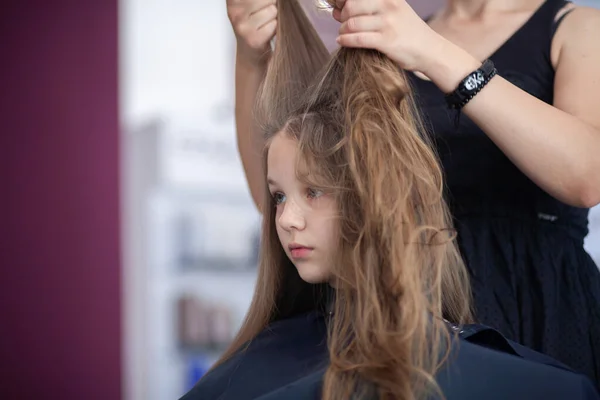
(363, 23)
(366, 40)
(254, 31)
(263, 16)
(254, 6)
(353, 8)
(248, 28)
(264, 34)
(336, 13)
(241, 10)
(258, 5)
(340, 4)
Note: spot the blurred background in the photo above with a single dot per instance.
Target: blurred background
(128, 243)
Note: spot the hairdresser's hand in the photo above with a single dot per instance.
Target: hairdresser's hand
(254, 23)
(389, 26)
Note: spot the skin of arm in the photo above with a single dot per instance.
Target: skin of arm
(248, 76)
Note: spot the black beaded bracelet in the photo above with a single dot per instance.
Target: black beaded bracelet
(471, 85)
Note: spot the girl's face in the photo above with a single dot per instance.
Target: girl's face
(306, 218)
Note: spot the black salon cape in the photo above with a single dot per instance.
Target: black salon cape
(288, 359)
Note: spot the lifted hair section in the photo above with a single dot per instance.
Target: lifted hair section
(398, 272)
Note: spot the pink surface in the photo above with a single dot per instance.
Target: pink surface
(59, 232)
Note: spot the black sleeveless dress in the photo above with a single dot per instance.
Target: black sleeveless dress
(531, 277)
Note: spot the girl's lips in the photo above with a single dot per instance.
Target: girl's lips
(300, 251)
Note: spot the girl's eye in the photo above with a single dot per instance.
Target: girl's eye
(314, 193)
(278, 198)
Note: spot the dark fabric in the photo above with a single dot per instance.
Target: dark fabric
(284, 353)
(531, 276)
(287, 361)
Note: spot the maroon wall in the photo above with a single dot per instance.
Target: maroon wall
(59, 201)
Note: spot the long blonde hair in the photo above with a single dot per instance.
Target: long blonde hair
(398, 272)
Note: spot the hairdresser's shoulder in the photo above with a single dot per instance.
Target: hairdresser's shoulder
(484, 365)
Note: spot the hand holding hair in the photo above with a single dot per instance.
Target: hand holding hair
(389, 26)
(254, 23)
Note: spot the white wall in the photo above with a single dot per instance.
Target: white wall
(177, 58)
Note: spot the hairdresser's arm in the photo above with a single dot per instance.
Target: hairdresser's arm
(556, 147)
(254, 23)
(248, 76)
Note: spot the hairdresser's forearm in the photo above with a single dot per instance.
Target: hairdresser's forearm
(248, 76)
(556, 150)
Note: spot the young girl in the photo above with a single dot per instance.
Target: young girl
(520, 164)
(359, 273)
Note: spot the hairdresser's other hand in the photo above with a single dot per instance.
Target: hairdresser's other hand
(254, 23)
(389, 26)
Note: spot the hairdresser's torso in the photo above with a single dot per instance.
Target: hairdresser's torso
(480, 178)
(288, 360)
(531, 277)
